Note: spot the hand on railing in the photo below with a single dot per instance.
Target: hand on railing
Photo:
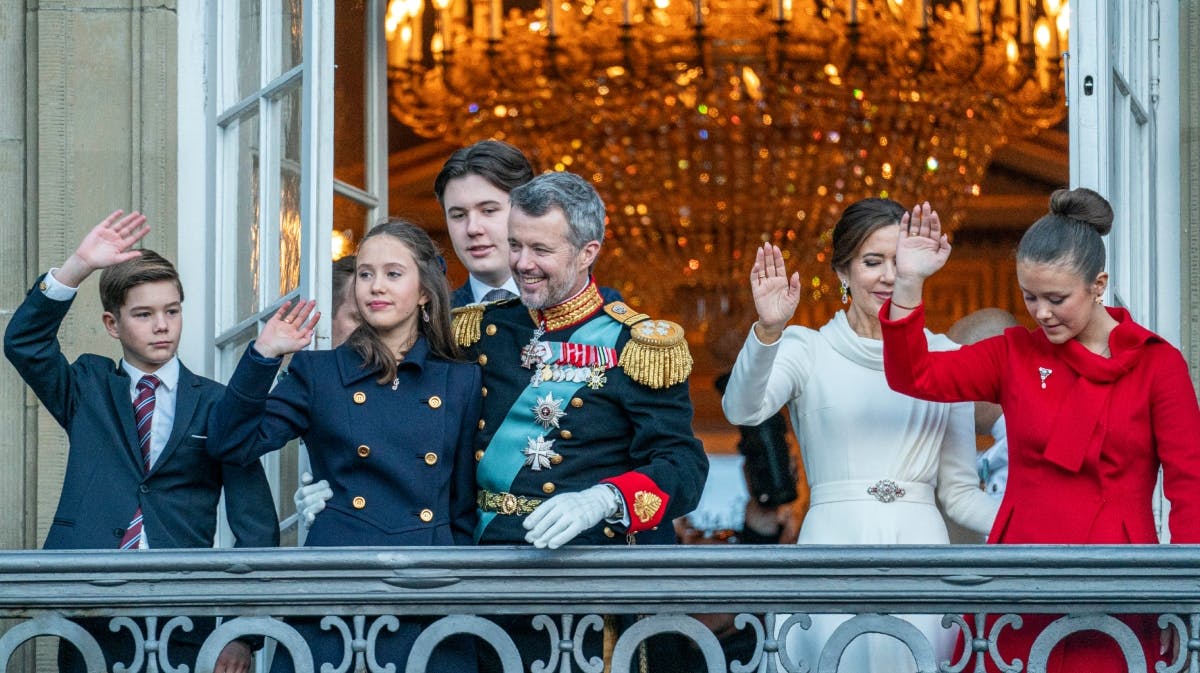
(561, 518)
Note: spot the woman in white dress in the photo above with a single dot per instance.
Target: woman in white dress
(875, 458)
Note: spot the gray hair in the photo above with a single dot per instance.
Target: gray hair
(570, 193)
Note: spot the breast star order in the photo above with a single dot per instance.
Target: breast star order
(539, 454)
(547, 411)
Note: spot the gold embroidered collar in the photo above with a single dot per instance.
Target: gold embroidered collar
(571, 311)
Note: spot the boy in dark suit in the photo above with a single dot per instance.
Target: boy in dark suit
(138, 474)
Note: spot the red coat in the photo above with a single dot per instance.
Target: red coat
(1086, 434)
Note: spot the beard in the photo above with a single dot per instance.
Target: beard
(553, 291)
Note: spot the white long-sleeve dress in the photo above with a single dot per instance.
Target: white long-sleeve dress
(856, 434)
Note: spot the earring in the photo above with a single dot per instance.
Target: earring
(1099, 299)
(845, 292)
(424, 313)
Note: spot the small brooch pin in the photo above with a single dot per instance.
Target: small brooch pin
(1044, 373)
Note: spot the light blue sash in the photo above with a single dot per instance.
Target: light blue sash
(504, 456)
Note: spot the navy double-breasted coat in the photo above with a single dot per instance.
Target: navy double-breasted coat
(397, 455)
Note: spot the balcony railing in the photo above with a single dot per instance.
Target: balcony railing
(364, 589)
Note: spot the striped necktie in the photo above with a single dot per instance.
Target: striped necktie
(498, 294)
(143, 415)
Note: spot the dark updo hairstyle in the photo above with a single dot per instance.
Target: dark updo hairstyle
(858, 221)
(1069, 235)
(366, 342)
(501, 164)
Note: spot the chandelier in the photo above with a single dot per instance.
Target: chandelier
(710, 126)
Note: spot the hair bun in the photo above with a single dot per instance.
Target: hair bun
(1083, 205)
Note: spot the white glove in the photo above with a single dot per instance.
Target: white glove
(310, 498)
(558, 520)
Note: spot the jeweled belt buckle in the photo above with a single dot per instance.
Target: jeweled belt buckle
(885, 490)
(508, 504)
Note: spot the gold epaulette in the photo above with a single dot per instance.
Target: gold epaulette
(657, 356)
(465, 322)
(620, 311)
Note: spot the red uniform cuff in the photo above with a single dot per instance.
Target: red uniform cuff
(645, 502)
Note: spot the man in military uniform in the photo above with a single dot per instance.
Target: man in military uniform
(586, 434)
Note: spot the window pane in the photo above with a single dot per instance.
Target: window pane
(289, 191)
(349, 93)
(291, 24)
(248, 39)
(349, 225)
(247, 271)
(231, 351)
(289, 481)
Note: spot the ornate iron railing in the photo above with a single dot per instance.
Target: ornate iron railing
(364, 590)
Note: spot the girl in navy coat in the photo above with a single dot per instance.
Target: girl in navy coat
(389, 419)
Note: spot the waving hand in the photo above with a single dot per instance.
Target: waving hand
(776, 294)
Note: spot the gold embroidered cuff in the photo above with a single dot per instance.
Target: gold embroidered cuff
(506, 503)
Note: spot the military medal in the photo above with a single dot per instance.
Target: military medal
(535, 352)
(539, 453)
(596, 378)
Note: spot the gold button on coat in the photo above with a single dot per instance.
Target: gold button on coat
(359, 502)
(608, 532)
(556, 459)
(479, 455)
(491, 330)
(482, 423)
(547, 488)
(363, 450)
(576, 402)
(485, 391)
(431, 458)
(426, 515)
(43, 286)
(435, 402)
(566, 434)
(360, 397)
(483, 358)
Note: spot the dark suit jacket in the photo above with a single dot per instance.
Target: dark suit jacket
(105, 482)
(462, 296)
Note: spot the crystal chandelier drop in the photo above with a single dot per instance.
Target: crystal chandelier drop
(710, 126)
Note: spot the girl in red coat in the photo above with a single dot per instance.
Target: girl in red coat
(1094, 404)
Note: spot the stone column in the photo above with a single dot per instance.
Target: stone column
(1189, 176)
(17, 479)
